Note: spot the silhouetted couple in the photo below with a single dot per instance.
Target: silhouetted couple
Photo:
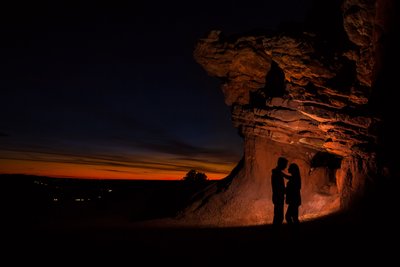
(292, 191)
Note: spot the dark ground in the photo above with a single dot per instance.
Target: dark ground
(119, 229)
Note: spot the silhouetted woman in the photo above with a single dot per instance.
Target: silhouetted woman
(293, 196)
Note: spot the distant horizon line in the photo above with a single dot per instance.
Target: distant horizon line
(94, 178)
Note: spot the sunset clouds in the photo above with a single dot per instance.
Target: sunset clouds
(112, 91)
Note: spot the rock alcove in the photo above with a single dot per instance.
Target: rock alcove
(303, 95)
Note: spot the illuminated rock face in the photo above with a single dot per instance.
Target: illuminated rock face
(296, 97)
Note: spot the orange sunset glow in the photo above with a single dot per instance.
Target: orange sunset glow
(163, 133)
(166, 170)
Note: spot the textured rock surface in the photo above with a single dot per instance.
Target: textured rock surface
(292, 97)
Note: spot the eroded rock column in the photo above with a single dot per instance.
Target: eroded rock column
(290, 96)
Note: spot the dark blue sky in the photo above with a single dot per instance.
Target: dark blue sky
(106, 84)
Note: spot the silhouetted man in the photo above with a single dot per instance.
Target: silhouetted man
(278, 190)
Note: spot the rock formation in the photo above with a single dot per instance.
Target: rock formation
(296, 95)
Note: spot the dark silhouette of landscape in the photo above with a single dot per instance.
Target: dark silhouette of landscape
(61, 65)
(117, 220)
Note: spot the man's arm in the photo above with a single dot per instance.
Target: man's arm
(285, 175)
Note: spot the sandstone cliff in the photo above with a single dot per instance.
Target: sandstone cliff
(296, 95)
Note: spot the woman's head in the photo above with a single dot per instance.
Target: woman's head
(294, 169)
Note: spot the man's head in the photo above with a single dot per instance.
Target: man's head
(282, 163)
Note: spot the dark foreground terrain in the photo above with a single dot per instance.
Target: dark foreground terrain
(86, 222)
